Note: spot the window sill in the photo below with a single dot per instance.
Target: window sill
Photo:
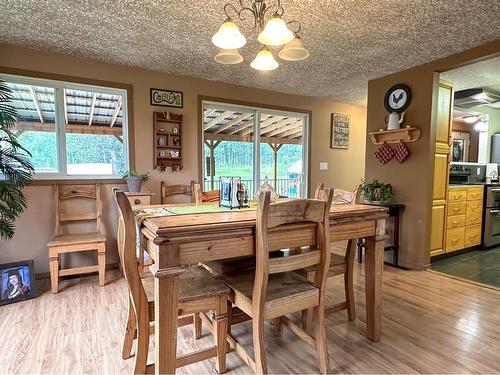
(77, 181)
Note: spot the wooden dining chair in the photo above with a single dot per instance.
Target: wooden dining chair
(66, 196)
(187, 190)
(339, 264)
(198, 292)
(272, 291)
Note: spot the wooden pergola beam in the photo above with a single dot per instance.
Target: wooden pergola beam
(292, 126)
(291, 134)
(116, 111)
(217, 119)
(70, 128)
(92, 106)
(209, 112)
(239, 138)
(37, 104)
(280, 126)
(241, 127)
(233, 122)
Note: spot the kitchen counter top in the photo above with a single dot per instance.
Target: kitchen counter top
(474, 183)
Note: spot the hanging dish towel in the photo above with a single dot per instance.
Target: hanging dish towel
(384, 153)
(401, 152)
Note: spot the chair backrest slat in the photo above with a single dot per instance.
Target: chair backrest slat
(294, 262)
(295, 211)
(189, 190)
(63, 193)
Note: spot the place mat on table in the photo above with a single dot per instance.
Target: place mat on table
(205, 209)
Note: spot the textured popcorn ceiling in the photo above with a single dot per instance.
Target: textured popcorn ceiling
(350, 41)
(481, 74)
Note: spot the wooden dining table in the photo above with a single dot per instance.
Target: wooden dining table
(174, 241)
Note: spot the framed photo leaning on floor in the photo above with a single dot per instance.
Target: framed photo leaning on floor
(17, 282)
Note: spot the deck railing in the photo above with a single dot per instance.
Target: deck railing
(285, 187)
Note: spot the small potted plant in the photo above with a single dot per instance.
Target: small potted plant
(376, 192)
(134, 180)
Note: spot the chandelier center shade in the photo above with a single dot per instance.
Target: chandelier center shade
(264, 20)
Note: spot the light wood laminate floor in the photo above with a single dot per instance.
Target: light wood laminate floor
(431, 324)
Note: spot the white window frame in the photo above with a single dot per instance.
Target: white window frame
(60, 130)
(256, 111)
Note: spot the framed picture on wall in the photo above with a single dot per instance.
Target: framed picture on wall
(166, 98)
(17, 282)
(339, 133)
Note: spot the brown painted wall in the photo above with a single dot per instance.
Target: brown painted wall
(412, 180)
(34, 228)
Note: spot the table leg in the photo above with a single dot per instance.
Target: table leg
(374, 265)
(166, 271)
(165, 324)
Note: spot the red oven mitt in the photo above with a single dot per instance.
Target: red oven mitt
(401, 152)
(385, 153)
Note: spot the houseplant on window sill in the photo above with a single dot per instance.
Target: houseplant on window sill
(16, 169)
(134, 180)
(376, 192)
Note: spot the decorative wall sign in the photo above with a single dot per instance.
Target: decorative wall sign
(17, 282)
(166, 98)
(339, 135)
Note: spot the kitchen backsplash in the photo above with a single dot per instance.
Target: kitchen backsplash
(476, 171)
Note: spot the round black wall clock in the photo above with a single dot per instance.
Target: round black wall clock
(397, 98)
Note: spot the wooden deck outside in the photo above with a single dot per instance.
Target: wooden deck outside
(431, 324)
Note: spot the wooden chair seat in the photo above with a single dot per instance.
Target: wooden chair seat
(286, 292)
(76, 239)
(194, 284)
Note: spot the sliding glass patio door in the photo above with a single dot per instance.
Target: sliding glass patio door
(257, 145)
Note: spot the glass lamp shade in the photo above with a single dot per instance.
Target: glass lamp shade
(275, 33)
(264, 60)
(228, 57)
(294, 51)
(229, 36)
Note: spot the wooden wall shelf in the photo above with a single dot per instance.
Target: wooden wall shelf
(407, 135)
(167, 140)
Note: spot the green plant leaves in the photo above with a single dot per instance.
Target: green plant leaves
(16, 169)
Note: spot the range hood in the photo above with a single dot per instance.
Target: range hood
(474, 97)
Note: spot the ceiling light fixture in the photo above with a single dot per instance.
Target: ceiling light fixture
(265, 20)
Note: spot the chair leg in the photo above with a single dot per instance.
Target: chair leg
(130, 332)
(307, 319)
(54, 273)
(101, 262)
(141, 355)
(348, 281)
(278, 327)
(259, 344)
(197, 325)
(320, 336)
(220, 330)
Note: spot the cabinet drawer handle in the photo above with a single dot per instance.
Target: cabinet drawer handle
(473, 236)
(457, 197)
(474, 219)
(137, 201)
(475, 195)
(474, 208)
(453, 242)
(456, 222)
(456, 209)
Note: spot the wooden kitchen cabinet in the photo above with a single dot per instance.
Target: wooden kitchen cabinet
(457, 208)
(456, 221)
(442, 127)
(464, 230)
